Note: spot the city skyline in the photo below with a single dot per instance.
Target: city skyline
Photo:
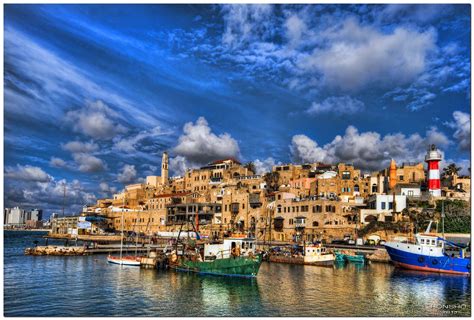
(113, 86)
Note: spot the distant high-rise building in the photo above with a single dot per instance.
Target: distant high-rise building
(164, 168)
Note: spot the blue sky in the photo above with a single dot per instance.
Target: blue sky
(95, 93)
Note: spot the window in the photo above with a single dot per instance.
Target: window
(400, 178)
(279, 209)
(374, 187)
(346, 175)
(383, 205)
(390, 205)
(348, 189)
(343, 190)
(422, 241)
(356, 188)
(291, 221)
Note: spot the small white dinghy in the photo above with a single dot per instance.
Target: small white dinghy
(126, 260)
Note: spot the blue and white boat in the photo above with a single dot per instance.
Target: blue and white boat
(428, 254)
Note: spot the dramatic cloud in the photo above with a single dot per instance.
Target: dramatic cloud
(357, 56)
(27, 173)
(106, 189)
(128, 174)
(337, 105)
(50, 194)
(95, 120)
(129, 144)
(366, 150)
(178, 165)
(264, 166)
(89, 163)
(462, 127)
(244, 23)
(80, 147)
(200, 146)
(57, 163)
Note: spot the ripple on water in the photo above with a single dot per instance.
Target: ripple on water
(88, 286)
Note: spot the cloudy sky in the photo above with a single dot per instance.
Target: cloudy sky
(95, 93)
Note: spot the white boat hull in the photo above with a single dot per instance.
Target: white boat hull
(124, 261)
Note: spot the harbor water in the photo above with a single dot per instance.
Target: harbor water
(89, 286)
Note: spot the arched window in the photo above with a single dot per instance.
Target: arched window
(315, 224)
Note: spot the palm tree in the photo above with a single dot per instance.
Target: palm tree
(451, 170)
(251, 166)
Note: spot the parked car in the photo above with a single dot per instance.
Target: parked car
(351, 241)
(338, 241)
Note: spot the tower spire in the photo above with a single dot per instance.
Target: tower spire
(164, 168)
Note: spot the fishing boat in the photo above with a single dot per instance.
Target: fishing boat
(313, 254)
(428, 253)
(355, 258)
(235, 257)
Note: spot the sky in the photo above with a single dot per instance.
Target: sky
(93, 94)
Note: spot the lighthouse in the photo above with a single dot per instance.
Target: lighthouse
(433, 157)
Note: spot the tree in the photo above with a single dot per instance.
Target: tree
(251, 166)
(451, 170)
(271, 179)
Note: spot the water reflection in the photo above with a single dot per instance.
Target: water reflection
(89, 286)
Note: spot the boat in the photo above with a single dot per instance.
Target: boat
(339, 257)
(356, 258)
(235, 257)
(313, 254)
(428, 253)
(124, 260)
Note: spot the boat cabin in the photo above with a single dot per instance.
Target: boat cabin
(230, 247)
(429, 240)
(314, 250)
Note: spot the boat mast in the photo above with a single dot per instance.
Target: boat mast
(121, 237)
(442, 216)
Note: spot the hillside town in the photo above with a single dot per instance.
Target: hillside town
(292, 203)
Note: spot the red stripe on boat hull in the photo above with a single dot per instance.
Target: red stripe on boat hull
(412, 267)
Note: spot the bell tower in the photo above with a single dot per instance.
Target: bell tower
(164, 168)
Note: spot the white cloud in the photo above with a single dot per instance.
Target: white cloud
(27, 173)
(200, 146)
(245, 22)
(80, 147)
(337, 105)
(130, 144)
(178, 165)
(106, 189)
(295, 30)
(356, 56)
(128, 174)
(57, 162)
(89, 163)
(264, 166)
(367, 150)
(95, 120)
(462, 126)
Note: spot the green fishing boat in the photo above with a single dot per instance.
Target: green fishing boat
(234, 257)
(341, 257)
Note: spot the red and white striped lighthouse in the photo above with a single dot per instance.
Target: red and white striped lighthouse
(433, 157)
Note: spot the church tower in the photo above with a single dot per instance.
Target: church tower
(164, 168)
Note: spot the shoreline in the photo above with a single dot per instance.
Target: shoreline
(24, 230)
